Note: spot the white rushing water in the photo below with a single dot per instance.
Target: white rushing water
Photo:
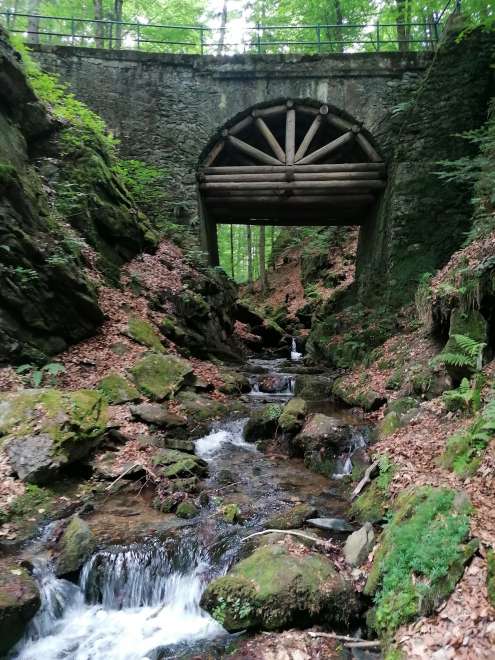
(295, 356)
(220, 440)
(344, 463)
(129, 603)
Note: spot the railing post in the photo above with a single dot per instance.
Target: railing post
(8, 18)
(73, 30)
(258, 28)
(435, 27)
(377, 34)
(138, 35)
(201, 41)
(318, 37)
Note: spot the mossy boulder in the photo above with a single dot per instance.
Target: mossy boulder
(75, 546)
(469, 323)
(373, 503)
(46, 429)
(420, 559)
(157, 414)
(231, 513)
(19, 602)
(177, 464)
(402, 406)
(490, 575)
(292, 518)
(234, 383)
(144, 333)
(116, 389)
(292, 418)
(358, 396)
(187, 510)
(277, 588)
(313, 387)
(201, 408)
(399, 414)
(161, 376)
(262, 423)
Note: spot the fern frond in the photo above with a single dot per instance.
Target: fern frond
(469, 346)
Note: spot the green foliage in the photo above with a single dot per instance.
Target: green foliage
(147, 185)
(465, 449)
(37, 376)
(470, 354)
(24, 275)
(422, 299)
(466, 397)
(34, 501)
(421, 544)
(372, 504)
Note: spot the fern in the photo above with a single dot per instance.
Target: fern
(466, 397)
(470, 354)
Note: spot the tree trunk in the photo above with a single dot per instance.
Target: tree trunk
(223, 25)
(117, 12)
(99, 27)
(33, 22)
(250, 257)
(339, 20)
(263, 279)
(401, 26)
(232, 251)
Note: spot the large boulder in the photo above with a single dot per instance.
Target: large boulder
(161, 376)
(277, 587)
(292, 418)
(157, 414)
(292, 518)
(234, 383)
(262, 423)
(321, 431)
(313, 387)
(76, 545)
(359, 544)
(273, 383)
(175, 464)
(45, 430)
(19, 602)
(116, 389)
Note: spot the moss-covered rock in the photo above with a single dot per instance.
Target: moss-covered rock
(469, 323)
(276, 588)
(144, 333)
(421, 557)
(490, 575)
(358, 396)
(47, 429)
(292, 417)
(19, 602)
(161, 376)
(262, 423)
(313, 387)
(116, 389)
(293, 518)
(234, 383)
(75, 546)
(187, 510)
(157, 414)
(177, 464)
(372, 505)
(231, 513)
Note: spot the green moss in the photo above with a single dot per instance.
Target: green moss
(292, 417)
(144, 333)
(402, 406)
(117, 389)
(186, 510)
(161, 376)
(490, 575)
(35, 501)
(7, 172)
(262, 423)
(291, 519)
(372, 505)
(231, 513)
(177, 464)
(421, 557)
(76, 545)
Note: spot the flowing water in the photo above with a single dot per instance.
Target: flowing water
(142, 600)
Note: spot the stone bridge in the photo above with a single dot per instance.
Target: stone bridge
(170, 110)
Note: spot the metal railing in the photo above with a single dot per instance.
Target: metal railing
(200, 39)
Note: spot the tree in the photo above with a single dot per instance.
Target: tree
(263, 278)
(117, 15)
(249, 256)
(33, 28)
(99, 27)
(223, 26)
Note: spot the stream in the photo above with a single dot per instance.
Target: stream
(141, 600)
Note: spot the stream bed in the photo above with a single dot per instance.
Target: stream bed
(141, 599)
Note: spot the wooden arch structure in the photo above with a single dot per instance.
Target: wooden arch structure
(289, 164)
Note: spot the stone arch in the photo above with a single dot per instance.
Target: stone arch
(288, 162)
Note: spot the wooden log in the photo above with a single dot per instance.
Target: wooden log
(271, 139)
(290, 136)
(370, 184)
(325, 167)
(266, 112)
(211, 157)
(288, 176)
(255, 153)
(327, 149)
(308, 109)
(365, 480)
(308, 138)
(338, 122)
(241, 125)
(368, 148)
(294, 200)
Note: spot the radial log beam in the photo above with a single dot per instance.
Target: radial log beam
(271, 139)
(308, 138)
(327, 149)
(290, 136)
(255, 153)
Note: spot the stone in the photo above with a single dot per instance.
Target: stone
(109, 466)
(276, 588)
(292, 418)
(116, 389)
(76, 545)
(273, 383)
(313, 387)
(47, 429)
(234, 383)
(262, 423)
(490, 575)
(186, 510)
(359, 544)
(19, 602)
(144, 333)
(331, 524)
(322, 431)
(231, 513)
(161, 376)
(158, 415)
(364, 398)
(293, 518)
(177, 464)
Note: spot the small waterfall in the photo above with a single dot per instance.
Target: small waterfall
(130, 601)
(343, 465)
(295, 356)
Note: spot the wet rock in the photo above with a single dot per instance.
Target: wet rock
(175, 464)
(186, 510)
(292, 418)
(201, 408)
(322, 431)
(331, 524)
(75, 546)
(231, 513)
(116, 389)
(157, 414)
(359, 544)
(313, 387)
(293, 518)
(277, 588)
(181, 444)
(189, 485)
(144, 333)
(262, 423)
(367, 399)
(108, 466)
(19, 602)
(234, 383)
(161, 376)
(47, 429)
(273, 383)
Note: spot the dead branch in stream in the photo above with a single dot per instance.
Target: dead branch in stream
(128, 469)
(315, 540)
(365, 480)
(349, 642)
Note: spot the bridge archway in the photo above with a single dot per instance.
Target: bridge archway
(289, 162)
